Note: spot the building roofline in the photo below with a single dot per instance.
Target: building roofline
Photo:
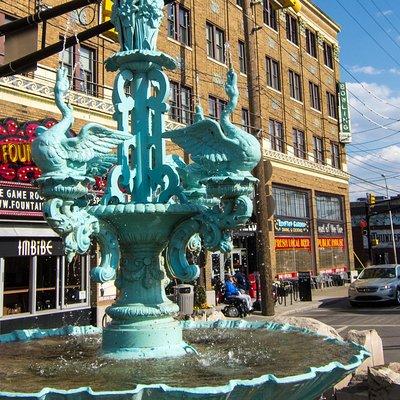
(325, 16)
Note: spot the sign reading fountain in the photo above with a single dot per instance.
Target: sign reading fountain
(155, 203)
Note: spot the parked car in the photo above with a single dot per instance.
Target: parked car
(377, 283)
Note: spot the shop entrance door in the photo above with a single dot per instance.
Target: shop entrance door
(228, 263)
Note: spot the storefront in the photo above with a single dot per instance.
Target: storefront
(332, 247)
(293, 231)
(38, 287)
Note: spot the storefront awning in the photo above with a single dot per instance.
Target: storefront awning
(26, 231)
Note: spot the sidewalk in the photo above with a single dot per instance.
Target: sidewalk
(320, 297)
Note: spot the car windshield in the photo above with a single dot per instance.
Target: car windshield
(371, 273)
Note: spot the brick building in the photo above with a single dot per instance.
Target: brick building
(298, 72)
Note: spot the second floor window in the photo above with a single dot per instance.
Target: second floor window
(276, 136)
(4, 19)
(295, 86)
(242, 57)
(335, 153)
(318, 150)
(215, 42)
(179, 23)
(311, 43)
(181, 103)
(239, 3)
(215, 107)
(299, 144)
(328, 55)
(80, 64)
(315, 101)
(292, 29)
(332, 105)
(273, 73)
(270, 15)
(246, 119)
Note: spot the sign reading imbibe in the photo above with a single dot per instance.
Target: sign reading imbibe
(26, 247)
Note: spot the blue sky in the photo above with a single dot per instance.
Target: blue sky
(370, 60)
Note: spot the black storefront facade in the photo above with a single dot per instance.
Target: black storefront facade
(39, 288)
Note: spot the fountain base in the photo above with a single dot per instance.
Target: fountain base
(156, 338)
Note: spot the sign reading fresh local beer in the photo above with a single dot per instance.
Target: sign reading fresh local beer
(286, 225)
(331, 242)
(289, 243)
(17, 199)
(31, 247)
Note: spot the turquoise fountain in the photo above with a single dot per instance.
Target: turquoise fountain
(153, 204)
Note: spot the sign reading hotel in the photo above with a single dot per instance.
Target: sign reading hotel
(344, 114)
(291, 243)
(292, 226)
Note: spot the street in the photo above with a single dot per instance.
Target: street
(384, 319)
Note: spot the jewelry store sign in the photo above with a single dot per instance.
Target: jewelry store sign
(19, 200)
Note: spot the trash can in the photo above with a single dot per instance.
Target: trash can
(184, 295)
(305, 286)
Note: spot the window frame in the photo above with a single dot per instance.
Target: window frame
(328, 55)
(213, 48)
(331, 100)
(218, 107)
(311, 43)
(318, 149)
(242, 57)
(273, 70)
(245, 114)
(315, 99)
(335, 155)
(277, 136)
(299, 146)
(291, 202)
(270, 15)
(295, 87)
(292, 29)
(175, 28)
(179, 111)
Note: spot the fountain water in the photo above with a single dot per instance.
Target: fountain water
(152, 202)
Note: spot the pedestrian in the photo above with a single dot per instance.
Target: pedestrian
(231, 290)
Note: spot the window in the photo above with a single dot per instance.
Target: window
(314, 96)
(318, 150)
(276, 136)
(246, 120)
(328, 55)
(311, 43)
(290, 203)
(215, 43)
(329, 208)
(299, 144)
(273, 73)
(335, 154)
(270, 15)
(181, 103)
(179, 23)
(239, 3)
(292, 29)
(295, 86)
(332, 105)
(242, 57)
(80, 63)
(215, 107)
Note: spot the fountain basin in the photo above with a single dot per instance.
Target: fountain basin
(303, 386)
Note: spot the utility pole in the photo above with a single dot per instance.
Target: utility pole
(261, 204)
(391, 221)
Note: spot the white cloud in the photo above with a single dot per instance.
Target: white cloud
(387, 12)
(395, 71)
(366, 69)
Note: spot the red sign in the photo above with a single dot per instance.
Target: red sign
(331, 242)
(15, 150)
(363, 224)
(287, 243)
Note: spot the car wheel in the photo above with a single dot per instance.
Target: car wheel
(398, 296)
(231, 312)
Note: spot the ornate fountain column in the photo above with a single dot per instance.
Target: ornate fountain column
(152, 202)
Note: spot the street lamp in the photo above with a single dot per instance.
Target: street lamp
(391, 221)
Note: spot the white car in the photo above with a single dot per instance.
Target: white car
(377, 283)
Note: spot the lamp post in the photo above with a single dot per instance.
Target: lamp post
(391, 221)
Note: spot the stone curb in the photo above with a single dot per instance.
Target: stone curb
(308, 307)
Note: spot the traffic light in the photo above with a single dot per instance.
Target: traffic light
(106, 16)
(371, 199)
(295, 4)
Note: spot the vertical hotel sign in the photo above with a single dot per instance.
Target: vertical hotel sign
(344, 114)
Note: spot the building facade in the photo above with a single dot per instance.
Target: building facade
(304, 160)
